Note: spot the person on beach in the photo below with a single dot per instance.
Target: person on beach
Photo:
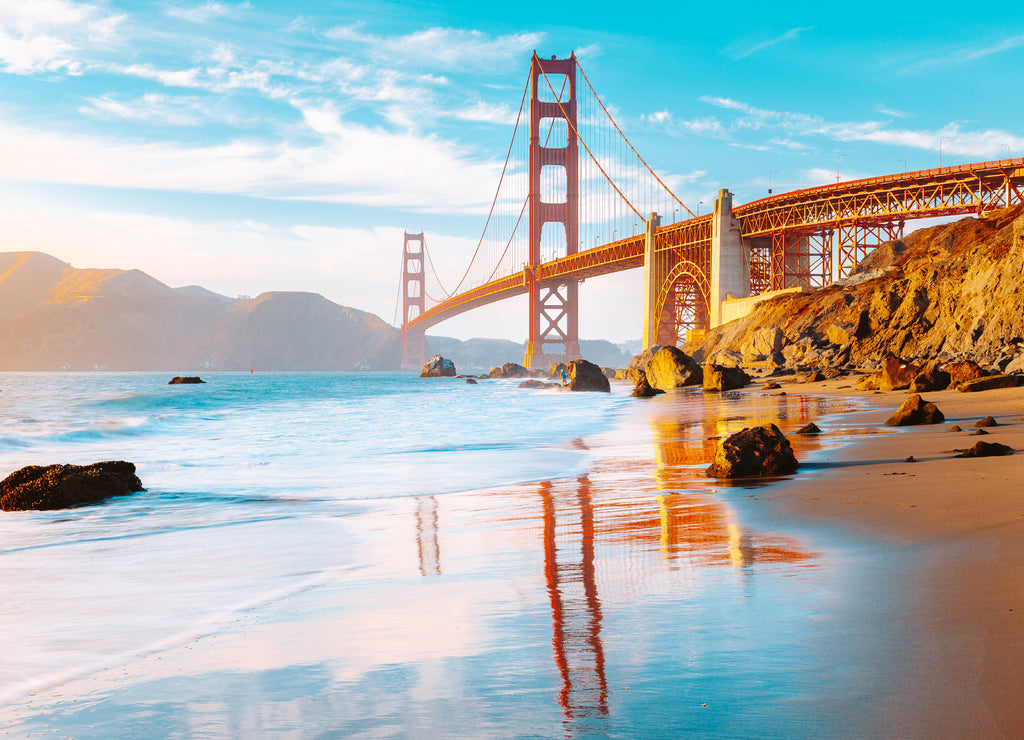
(565, 378)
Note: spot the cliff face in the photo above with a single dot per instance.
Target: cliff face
(55, 317)
(948, 292)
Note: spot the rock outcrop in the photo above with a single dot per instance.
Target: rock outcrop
(185, 380)
(509, 370)
(759, 451)
(61, 486)
(951, 293)
(438, 367)
(586, 376)
(987, 449)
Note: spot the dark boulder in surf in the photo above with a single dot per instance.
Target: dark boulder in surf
(42, 487)
(185, 380)
(509, 370)
(586, 376)
(760, 451)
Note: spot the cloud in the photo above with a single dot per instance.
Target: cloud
(206, 12)
(709, 126)
(487, 113)
(789, 35)
(880, 108)
(442, 47)
(152, 108)
(347, 163)
(986, 143)
(48, 35)
(958, 55)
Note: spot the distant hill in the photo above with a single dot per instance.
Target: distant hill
(480, 355)
(56, 317)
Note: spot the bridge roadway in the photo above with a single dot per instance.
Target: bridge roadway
(876, 201)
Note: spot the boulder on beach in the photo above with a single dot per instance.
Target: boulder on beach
(771, 386)
(665, 367)
(931, 378)
(438, 367)
(509, 370)
(987, 449)
(185, 380)
(586, 376)
(869, 382)
(719, 378)
(964, 371)
(811, 428)
(915, 410)
(759, 451)
(43, 487)
(988, 421)
(643, 389)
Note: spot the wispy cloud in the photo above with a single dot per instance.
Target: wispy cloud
(442, 47)
(205, 12)
(955, 141)
(487, 113)
(708, 126)
(880, 108)
(790, 35)
(952, 56)
(152, 108)
(48, 35)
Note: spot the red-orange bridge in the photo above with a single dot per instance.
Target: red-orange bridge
(574, 193)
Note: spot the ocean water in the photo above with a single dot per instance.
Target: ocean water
(336, 555)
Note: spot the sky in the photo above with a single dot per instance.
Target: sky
(256, 146)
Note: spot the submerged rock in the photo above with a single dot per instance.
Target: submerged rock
(40, 487)
(915, 410)
(438, 367)
(185, 380)
(760, 451)
(538, 384)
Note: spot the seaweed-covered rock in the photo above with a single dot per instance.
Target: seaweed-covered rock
(915, 410)
(438, 367)
(759, 451)
(60, 486)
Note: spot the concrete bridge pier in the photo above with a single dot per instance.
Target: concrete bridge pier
(730, 259)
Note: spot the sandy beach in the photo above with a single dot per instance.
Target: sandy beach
(864, 596)
(961, 523)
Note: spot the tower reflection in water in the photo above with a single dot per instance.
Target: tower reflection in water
(626, 529)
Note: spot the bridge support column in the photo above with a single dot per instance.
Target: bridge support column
(554, 307)
(414, 341)
(652, 284)
(730, 258)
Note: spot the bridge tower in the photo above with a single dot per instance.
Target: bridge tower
(414, 345)
(554, 306)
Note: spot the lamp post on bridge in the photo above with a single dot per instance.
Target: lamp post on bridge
(773, 172)
(838, 157)
(941, 139)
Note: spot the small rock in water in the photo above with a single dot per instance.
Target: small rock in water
(811, 428)
(987, 449)
(771, 386)
(988, 421)
(438, 367)
(978, 433)
(185, 380)
(760, 451)
(470, 381)
(538, 384)
(910, 459)
(955, 428)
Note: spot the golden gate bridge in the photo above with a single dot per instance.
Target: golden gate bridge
(576, 200)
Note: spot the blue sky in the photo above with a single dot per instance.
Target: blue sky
(252, 146)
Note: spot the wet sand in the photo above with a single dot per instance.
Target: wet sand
(961, 523)
(862, 597)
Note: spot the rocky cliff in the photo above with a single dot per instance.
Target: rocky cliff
(948, 292)
(56, 317)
